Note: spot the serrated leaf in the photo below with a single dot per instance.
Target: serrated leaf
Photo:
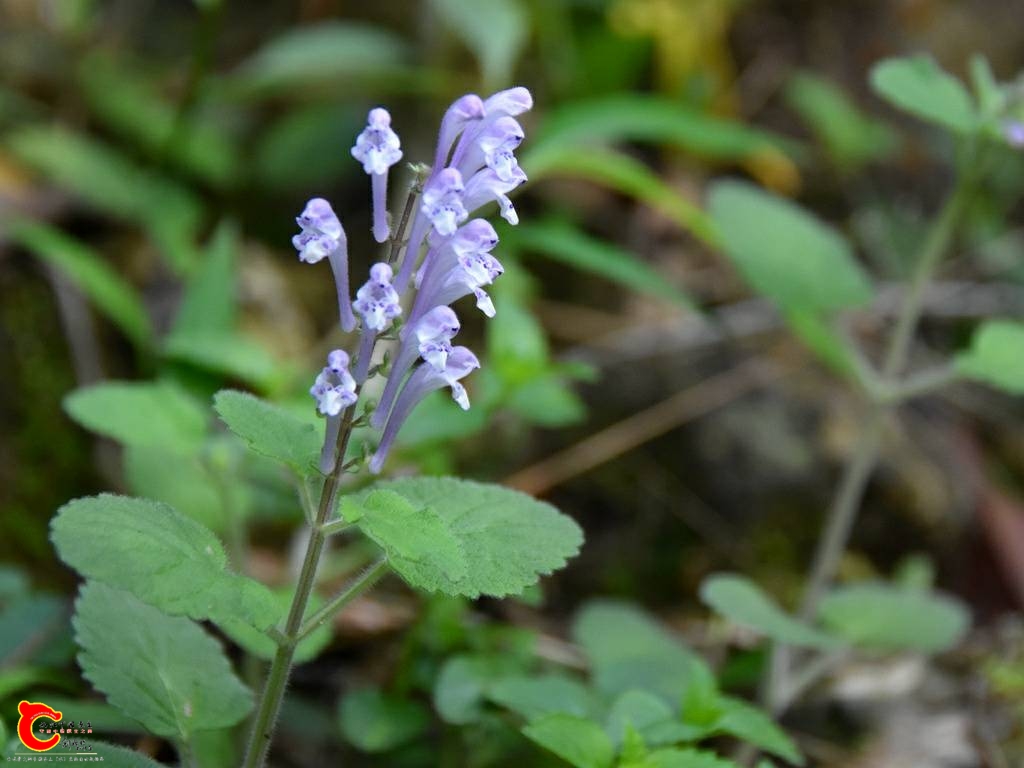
(160, 556)
(996, 356)
(628, 650)
(916, 84)
(140, 413)
(121, 757)
(749, 724)
(261, 645)
(891, 618)
(744, 603)
(535, 696)
(111, 294)
(563, 242)
(178, 480)
(784, 252)
(418, 542)
(509, 539)
(373, 721)
(270, 430)
(494, 31)
(580, 742)
(180, 681)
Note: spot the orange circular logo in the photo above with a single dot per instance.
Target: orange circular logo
(30, 712)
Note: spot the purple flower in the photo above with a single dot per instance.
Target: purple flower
(508, 103)
(442, 202)
(442, 209)
(458, 266)
(485, 186)
(1013, 132)
(494, 148)
(462, 112)
(430, 338)
(334, 389)
(322, 235)
(377, 148)
(424, 380)
(377, 301)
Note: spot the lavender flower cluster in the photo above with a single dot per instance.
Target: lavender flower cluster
(474, 164)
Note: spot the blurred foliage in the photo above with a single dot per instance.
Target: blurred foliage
(152, 156)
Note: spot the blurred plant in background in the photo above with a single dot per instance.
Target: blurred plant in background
(147, 152)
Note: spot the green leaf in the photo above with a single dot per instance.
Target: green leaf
(891, 618)
(494, 31)
(463, 681)
(818, 335)
(104, 717)
(661, 121)
(996, 356)
(547, 401)
(260, 644)
(509, 539)
(281, 157)
(270, 430)
(785, 253)
(177, 480)
(121, 757)
(228, 354)
(109, 181)
(535, 696)
(638, 710)
(160, 556)
(749, 724)
(323, 56)
(850, 137)
(33, 628)
(581, 743)
(516, 343)
(180, 681)
(209, 304)
(744, 603)
(916, 84)
(627, 176)
(374, 721)
(131, 105)
(685, 758)
(105, 288)
(140, 413)
(419, 543)
(628, 650)
(565, 243)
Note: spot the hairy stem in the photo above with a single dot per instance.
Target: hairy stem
(363, 582)
(269, 703)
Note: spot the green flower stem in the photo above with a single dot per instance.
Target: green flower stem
(277, 678)
(363, 582)
(850, 492)
(335, 526)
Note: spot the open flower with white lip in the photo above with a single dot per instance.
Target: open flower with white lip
(378, 148)
(424, 380)
(323, 236)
